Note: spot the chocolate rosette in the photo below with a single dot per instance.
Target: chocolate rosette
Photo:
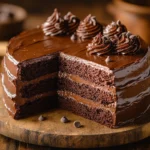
(115, 28)
(88, 28)
(128, 44)
(55, 24)
(100, 45)
(72, 22)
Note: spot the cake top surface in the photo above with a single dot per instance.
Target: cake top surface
(32, 44)
(51, 38)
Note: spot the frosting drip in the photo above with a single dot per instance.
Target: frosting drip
(88, 28)
(128, 44)
(72, 22)
(100, 45)
(115, 28)
(55, 25)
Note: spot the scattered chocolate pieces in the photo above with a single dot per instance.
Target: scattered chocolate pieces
(41, 118)
(77, 124)
(64, 119)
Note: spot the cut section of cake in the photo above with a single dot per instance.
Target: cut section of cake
(45, 68)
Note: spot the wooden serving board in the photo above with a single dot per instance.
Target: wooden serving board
(3, 46)
(54, 133)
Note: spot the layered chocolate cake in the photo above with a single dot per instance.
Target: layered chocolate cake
(100, 73)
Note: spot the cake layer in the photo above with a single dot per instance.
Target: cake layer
(40, 87)
(75, 84)
(86, 109)
(26, 89)
(37, 106)
(87, 70)
(36, 67)
(31, 88)
(21, 101)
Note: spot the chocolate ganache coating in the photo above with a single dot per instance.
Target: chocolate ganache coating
(72, 22)
(88, 28)
(126, 73)
(100, 45)
(128, 44)
(115, 28)
(54, 25)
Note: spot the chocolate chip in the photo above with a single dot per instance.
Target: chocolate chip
(64, 119)
(77, 124)
(108, 59)
(41, 118)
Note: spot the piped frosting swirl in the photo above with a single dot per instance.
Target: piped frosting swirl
(128, 44)
(88, 28)
(55, 25)
(115, 28)
(100, 45)
(72, 22)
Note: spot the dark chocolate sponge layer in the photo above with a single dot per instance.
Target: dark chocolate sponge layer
(86, 91)
(97, 114)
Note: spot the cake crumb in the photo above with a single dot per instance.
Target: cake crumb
(64, 119)
(77, 124)
(41, 118)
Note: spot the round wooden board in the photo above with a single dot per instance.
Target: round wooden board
(52, 132)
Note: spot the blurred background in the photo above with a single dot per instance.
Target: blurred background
(135, 14)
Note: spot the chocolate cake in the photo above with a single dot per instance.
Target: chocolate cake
(48, 67)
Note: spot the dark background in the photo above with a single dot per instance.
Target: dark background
(44, 6)
(39, 10)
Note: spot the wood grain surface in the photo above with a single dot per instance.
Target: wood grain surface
(10, 144)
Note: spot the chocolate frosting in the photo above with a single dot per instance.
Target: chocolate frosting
(55, 24)
(72, 22)
(115, 28)
(100, 45)
(128, 44)
(88, 28)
